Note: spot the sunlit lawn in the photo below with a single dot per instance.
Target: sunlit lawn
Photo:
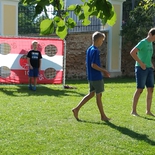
(41, 122)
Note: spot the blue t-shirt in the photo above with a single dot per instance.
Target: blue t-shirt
(93, 56)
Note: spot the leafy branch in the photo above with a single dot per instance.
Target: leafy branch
(61, 21)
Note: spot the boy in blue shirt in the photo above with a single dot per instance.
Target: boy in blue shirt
(94, 76)
(144, 71)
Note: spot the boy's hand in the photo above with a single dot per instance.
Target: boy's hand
(106, 74)
(143, 66)
(31, 67)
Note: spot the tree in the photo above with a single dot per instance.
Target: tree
(26, 25)
(61, 22)
(140, 20)
(129, 5)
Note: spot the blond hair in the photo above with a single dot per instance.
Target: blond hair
(96, 35)
(34, 41)
(152, 31)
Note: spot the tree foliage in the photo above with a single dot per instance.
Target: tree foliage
(25, 18)
(128, 6)
(140, 20)
(61, 22)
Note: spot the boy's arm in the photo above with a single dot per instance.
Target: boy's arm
(152, 65)
(133, 53)
(39, 64)
(28, 61)
(104, 71)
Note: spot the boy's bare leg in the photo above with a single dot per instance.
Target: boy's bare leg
(135, 101)
(100, 107)
(30, 81)
(82, 102)
(35, 81)
(149, 101)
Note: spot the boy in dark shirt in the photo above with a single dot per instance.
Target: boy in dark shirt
(34, 61)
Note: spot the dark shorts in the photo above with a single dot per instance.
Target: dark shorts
(96, 86)
(144, 77)
(33, 72)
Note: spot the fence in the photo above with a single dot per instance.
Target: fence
(28, 23)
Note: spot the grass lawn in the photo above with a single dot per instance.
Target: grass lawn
(42, 123)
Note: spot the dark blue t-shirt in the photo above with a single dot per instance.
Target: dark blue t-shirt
(93, 56)
(34, 58)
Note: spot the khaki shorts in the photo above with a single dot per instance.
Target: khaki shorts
(96, 86)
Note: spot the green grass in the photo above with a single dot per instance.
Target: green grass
(41, 122)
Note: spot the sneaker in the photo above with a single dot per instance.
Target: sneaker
(30, 87)
(34, 88)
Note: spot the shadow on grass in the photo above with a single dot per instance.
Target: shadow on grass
(132, 134)
(125, 131)
(148, 118)
(99, 123)
(22, 90)
(120, 80)
(106, 80)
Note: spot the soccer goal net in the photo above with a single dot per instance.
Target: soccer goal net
(13, 60)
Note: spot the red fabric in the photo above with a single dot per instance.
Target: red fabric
(19, 46)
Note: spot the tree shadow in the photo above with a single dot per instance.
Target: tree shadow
(22, 90)
(125, 131)
(106, 80)
(119, 80)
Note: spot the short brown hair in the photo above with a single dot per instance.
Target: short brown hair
(152, 31)
(96, 35)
